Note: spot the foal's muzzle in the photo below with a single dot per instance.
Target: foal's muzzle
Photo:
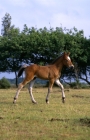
(71, 67)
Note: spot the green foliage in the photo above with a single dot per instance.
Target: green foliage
(4, 83)
(75, 85)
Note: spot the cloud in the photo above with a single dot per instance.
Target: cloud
(69, 21)
(40, 13)
(21, 3)
(46, 2)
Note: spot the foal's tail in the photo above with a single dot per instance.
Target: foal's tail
(20, 73)
(21, 70)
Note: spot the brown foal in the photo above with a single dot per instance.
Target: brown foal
(50, 72)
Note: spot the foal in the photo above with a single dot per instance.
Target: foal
(50, 72)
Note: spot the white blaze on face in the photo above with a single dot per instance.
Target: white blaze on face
(68, 58)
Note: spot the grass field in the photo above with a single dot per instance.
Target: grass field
(54, 121)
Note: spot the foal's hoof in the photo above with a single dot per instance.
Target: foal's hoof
(47, 101)
(34, 102)
(63, 99)
(14, 102)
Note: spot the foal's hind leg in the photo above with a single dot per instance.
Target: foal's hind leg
(21, 85)
(30, 90)
(18, 91)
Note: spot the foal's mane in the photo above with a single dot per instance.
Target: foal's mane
(56, 59)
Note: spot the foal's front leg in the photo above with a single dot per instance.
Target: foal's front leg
(62, 89)
(48, 94)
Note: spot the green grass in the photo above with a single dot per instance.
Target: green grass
(54, 121)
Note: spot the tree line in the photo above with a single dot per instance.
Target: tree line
(42, 46)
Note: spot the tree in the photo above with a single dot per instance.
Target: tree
(42, 46)
(6, 24)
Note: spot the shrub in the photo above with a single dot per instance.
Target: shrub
(4, 83)
(75, 85)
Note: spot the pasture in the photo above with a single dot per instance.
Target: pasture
(53, 121)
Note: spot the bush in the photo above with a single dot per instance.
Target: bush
(4, 83)
(75, 85)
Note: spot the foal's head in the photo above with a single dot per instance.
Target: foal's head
(67, 61)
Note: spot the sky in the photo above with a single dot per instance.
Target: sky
(47, 13)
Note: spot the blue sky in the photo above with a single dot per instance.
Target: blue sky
(48, 13)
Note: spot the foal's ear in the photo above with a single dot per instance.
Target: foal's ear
(68, 53)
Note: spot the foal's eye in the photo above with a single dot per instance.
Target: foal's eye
(66, 60)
